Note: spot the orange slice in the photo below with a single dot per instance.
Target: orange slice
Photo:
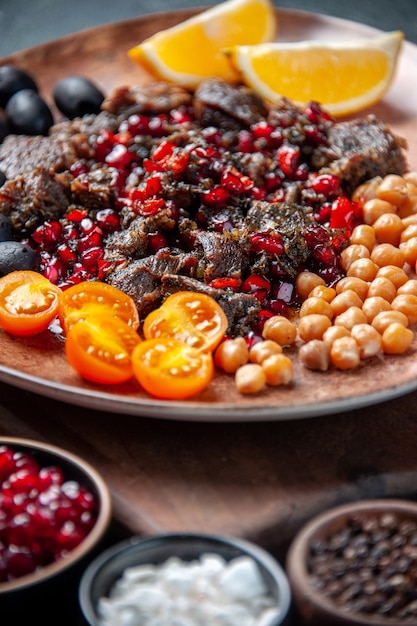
(191, 51)
(344, 76)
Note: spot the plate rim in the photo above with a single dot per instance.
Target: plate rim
(187, 410)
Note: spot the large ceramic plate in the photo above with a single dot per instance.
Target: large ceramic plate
(38, 364)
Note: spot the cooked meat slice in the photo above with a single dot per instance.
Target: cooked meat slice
(361, 149)
(219, 255)
(287, 220)
(21, 154)
(241, 309)
(149, 99)
(142, 279)
(32, 199)
(217, 103)
(95, 189)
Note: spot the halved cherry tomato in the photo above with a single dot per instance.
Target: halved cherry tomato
(192, 318)
(28, 302)
(100, 349)
(171, 370)
(89, 299)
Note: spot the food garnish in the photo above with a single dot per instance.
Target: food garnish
(344, 76)
(220, 224)
(28, 302)
(191, 51)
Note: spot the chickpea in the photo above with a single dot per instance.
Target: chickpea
(396, 339)
(335, 332)
(324, 292)
(313, 326)
(344, 353)
(352, 253)
(278, 328)
(410, 219)
(374, 208)
(387, 254)
(367, 191)
(316, 305)
(393, 189)
(250, 378)
(306, 281)
(407, 304)
(374, 305)
(409, 287)
(368, 339)
(388, 228)
(409, 248)
(344, 301)
(395, 274)
(363, 234)
(358, 285)
(351, 317)
(365, 269)
(278, 370)
(409, 207)
(409, 231)
(382, 287)
(383, 319)
(263, 349)
(231, 354)
(315, 355)
(411, 177)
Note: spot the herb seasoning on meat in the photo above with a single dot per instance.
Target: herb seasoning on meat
(213, 191)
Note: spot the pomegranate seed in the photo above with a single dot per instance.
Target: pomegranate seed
(164, 149)
(157, 126)
(278, 307)
(225, 283)
(66, 254)
(245, 141)
(91, 257)
(77, 215)
(93, 240)
(149, 207)
(108, 220)
(120, 156)
(135, 125)
(270, 244)
(325, 184)
(78, 168)
(217, 196)
(156, 241)
(288, 159)
(257, 286)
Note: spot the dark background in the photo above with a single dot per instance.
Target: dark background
(25, 23)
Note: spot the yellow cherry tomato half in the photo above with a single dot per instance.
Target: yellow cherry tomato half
(100, 349)
(90, 298)
(192, 318)
(28, 302)
(171, 370)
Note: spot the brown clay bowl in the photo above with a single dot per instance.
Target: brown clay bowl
(316, 607)
(60, 573)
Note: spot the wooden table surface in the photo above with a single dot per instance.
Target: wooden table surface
(260, 481)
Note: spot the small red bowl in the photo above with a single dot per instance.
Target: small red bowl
(13, 592)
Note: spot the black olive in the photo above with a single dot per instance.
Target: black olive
(6, 229)
(4, 125)
(12, 80)
(28, 113)
(14, 255)
(3, 178)
(76, 96)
